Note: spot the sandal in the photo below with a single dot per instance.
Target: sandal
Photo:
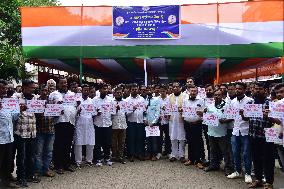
(268, 186)
(255, 184)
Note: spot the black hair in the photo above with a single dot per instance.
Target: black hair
(241, 84)
(4, 82)
(278, 86)
(27, 82)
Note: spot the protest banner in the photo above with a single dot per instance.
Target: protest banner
(88, 109)
(253, 110)
(11, 105)
(53, 110)
(231, 112)
(211, 119)
(152, 131)
(35, 106)
(188, 111)
(272, 135)
(276, 110)
(70, 99)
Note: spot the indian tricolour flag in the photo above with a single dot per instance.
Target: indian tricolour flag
(245, 29)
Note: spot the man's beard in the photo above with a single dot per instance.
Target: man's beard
(209, 95)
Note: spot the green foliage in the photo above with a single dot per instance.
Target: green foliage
(12, 62)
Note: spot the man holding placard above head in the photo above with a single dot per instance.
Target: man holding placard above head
(240, 138)
(84, 128)
(64, 128)
(176, 125)
(262, 151)
(193, 127)
(151, 119)
(218, 135)
(103, 130)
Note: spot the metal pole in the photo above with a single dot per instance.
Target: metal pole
(218, 70)
(145, 72)
(81, 66)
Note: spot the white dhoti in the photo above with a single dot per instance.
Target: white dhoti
(177, 135)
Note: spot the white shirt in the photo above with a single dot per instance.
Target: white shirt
(69, 110)
(163, 103)
(241, 127)
(104, 119)
(228, 101)
(119, 119)
(137, 115)
(198, 104)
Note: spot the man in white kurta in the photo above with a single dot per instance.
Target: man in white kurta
(176, 126)
(84, 129)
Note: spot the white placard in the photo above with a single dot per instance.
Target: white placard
(276, 110)
(272, 135)
(11, 105)
(35, 106)
(108, 108)
(211, 119)
(188, 111)
(231, 112)
(88, 109)
(78, 96)
(253, 110)
(53, 110)
(201, 92)
(123, 107)
(152, 131)
(70, 99)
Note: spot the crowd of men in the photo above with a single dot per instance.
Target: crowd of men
(45, 145)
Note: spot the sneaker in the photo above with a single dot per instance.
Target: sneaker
(109, 162)
(248, 178)
(99, 163)
(49, 173)
(234, 175)
(158, 156)
(78, 166)
(90, 164)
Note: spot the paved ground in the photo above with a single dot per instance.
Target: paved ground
(160, 174)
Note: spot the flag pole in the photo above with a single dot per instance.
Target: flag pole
(81, 66)
(145, 72)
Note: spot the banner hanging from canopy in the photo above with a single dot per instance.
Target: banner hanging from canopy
(146, 22)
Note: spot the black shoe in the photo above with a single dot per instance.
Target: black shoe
(131, 159)
(8, 184)
(211, 168)
(22, 183)
(59, 171)
(70, 169)
(205, 163)
(173, 159)
(34, 179)
(122, 160)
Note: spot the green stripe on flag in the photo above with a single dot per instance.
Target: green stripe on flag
(177, 51)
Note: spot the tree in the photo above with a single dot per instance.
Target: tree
(12, 62)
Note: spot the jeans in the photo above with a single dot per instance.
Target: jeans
(165, 138)
(263, 159)
(25, 157)
(135, 134)
(239, 144)
(64, 132)
(43, 154)
(103, 141)
(6, 159)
